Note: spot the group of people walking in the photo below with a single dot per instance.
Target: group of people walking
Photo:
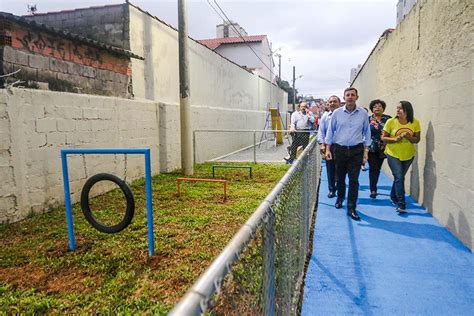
(349, 138)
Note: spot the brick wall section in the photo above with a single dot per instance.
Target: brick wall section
(107, 24)
(64, 64)
(35, 125)
(63, 75)
(428, 60)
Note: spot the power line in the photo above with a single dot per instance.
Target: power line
(240, 35)
(227, 19)
(215, 10)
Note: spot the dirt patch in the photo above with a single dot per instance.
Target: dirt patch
(73, 281)
(64, 281)
(22, 277)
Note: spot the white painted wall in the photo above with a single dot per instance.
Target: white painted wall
(241, 54)
(223, 94)
(35, 125)
(210, 145)
(428, 60)
(214, 80)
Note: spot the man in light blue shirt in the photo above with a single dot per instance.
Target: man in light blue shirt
(334, 103)
(348, 139)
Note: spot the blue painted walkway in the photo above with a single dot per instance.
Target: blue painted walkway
(386, 264)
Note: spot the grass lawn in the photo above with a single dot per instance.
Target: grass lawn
(113, 272)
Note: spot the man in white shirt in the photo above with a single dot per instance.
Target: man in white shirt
(299, 128)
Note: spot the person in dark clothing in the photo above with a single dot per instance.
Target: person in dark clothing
(334, 103)
(376, 148)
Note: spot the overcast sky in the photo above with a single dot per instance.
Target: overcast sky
(324, 39)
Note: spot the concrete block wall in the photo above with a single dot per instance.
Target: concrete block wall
(7, 185)
(63, 75)
(35, 125)
(208, 145)
(107, 24)
(223, 96)
(428, 60)
(65, 64)
(214, 80)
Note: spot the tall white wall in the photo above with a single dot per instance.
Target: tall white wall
(428, 60)
(214, 80)
(223, 94)
(35, 125)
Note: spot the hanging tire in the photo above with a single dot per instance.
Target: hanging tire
(86, 210)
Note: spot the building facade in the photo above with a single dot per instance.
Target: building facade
(251, 52)
(354, 72)
(230, 29)
(403, 8)
(38, 56)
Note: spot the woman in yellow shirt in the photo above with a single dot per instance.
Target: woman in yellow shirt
(400, 134)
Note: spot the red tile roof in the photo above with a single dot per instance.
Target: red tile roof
(213, 43)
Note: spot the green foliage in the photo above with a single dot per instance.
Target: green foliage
(289, 89)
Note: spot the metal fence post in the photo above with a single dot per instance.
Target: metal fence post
(254, 146)
(194, 147)
(269, 265)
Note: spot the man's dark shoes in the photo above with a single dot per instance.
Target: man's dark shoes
(401, 209)
(353, 214)
(373, 195)
(331, 194)
(338, 204)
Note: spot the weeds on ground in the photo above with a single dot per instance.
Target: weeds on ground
(113, 272)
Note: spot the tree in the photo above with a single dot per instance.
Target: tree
(283, 84)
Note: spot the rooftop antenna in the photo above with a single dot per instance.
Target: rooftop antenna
(32, 8)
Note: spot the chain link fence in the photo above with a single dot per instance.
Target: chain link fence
(262, 268)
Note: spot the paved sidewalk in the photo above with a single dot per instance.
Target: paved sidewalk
(386, 264)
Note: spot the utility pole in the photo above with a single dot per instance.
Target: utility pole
(294, 96)
(279, 68)
(184, 92)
